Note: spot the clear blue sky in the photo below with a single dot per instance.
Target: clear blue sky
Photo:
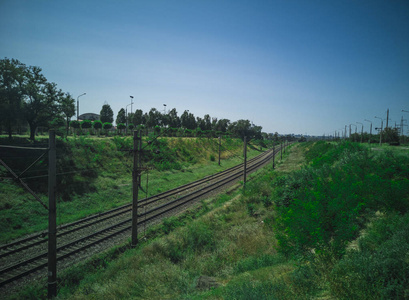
(289, 66)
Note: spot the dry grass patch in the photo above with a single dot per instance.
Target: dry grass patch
(293, 160)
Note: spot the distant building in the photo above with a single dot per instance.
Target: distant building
(89, 116)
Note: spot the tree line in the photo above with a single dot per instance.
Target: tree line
(28, 98)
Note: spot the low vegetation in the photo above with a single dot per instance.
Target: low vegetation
(95, 174)
(330, 222)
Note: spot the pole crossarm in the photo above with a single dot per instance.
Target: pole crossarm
(25, 148)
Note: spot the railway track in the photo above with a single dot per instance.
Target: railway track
(28, 255)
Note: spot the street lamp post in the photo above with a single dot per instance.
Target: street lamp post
(131, 103)
(78, 105)
(370, 131)
(362, 130)
(380, 136)
(126, 118)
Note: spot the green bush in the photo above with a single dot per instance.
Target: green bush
(379, 269)
(324, 206)
(200, 237)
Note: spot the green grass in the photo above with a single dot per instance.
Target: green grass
(218, 238)
(106, 183)
(237, 238)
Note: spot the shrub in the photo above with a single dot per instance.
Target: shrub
(75, 125)
(86, 124)
(97, 125)
(379, 269)
(107, 126)
(121, 126)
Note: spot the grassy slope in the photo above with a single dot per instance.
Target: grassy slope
(105, 180)
(223, 237)
(231, 239)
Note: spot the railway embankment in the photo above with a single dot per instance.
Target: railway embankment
(330, 222)
(95, 175)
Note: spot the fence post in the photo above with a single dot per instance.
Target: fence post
(52, 219)
(135, 187)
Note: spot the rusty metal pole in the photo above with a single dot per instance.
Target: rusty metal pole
(135, 187)
(52, 218)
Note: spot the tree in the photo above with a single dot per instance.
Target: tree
(107, 126)
(188, 120)
(200, 123)
(242, 128)
(391, 135)
(207, 122)
(153, 118)
(97, 125)
(138, 117)
(121, 118)
(106, 114)
(174, 120)
(86, 124)
(58, 125)
(67, 108)
(75, 124)
(222, 125)
(42, 100)
(184, 119)
(12, 77)
(120, 126)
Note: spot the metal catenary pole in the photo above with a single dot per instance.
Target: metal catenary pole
(135, 187)
(220, 142)
(281, 150)
(52, 219)
(245, 161)
(274, 155)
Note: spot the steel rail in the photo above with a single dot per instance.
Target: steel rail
(163, 209)
(122, 210)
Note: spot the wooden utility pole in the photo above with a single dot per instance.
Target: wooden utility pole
(52, 219)
(220, 142)
(245, 161)
(135, 187)
(387, 118)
